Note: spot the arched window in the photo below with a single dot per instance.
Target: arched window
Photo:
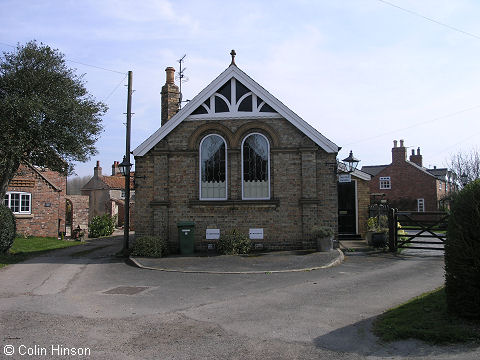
(213, 168)
(255, 167)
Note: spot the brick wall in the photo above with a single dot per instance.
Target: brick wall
(80, 211)
(47, 216)
(303, 186)
(363, 200)
(408, 183)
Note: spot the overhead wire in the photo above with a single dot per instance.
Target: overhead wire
(430, 19)
(417, 124)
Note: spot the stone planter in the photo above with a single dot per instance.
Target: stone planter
(325, 244)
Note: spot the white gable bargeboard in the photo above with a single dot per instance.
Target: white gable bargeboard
(263, 104)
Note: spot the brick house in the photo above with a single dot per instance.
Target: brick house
(107, 194)
(235, 157)
(37, 198)
(407, 185)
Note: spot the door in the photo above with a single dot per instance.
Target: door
(347, 208)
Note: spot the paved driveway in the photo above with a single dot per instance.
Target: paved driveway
(91, 301)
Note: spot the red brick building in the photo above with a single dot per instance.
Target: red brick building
(407, 185)
(235, 157)
(37, 198)
(107, 193)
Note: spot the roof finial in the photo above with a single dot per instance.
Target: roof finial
(233, 53)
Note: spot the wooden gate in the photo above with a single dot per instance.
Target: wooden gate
(417, 230)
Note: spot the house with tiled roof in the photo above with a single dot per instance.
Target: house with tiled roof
(107, 193)
(36, 197)
(407, 185)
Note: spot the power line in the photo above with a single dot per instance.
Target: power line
(415, 125)
(430, 19)
(115, 88)
(78, 62)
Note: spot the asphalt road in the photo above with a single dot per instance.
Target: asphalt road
(91, 302)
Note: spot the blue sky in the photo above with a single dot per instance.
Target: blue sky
(362, 72)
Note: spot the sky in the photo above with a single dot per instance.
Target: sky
(362, 72)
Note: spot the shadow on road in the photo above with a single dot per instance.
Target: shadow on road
(359, 339)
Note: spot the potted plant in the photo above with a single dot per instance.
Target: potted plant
(324, 237)
(379, 231)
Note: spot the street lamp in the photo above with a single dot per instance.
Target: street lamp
(351, 163)
(124, 166)
(464, 179)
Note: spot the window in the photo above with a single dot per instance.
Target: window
(18, 202)
(255, 167)
(213, 168)
(439, 185)
(421, 205)
(385, 182)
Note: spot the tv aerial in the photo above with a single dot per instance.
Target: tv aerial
(180, 76)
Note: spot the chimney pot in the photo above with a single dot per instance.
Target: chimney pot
(97, 170)
(170, 75)
(413, 152)
(401, 143)
(418, 151)
(394, 143)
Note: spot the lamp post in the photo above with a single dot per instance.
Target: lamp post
(351, 163)
(125, 167)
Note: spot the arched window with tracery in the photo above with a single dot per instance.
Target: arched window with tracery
(255, 167)
(213, 168)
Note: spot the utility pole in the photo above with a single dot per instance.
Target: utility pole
(126, 226)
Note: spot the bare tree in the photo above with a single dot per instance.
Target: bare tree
(75, 184)
(467, 163)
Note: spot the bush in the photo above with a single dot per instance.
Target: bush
(319, 232)
(8, 228)
(101, 226)
(150, 246)
(462, 253)
(234, 243)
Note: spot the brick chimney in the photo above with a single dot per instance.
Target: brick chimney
(97, 170)
(416, 158)
(115, 168)
(170, 96)
(399, 153)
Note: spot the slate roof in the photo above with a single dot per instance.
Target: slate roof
(234, 72)
(373, 169)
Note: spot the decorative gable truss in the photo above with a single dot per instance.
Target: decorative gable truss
(233, 99)
(234, 94)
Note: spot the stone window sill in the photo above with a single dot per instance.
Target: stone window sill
(235, 203)
(24, 216)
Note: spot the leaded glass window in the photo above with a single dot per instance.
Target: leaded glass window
(255, 167)
(213, 168)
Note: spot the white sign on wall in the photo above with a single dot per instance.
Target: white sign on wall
(212, 234)
(344, 178)
(256, 234)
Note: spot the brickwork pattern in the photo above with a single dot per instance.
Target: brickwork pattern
(303, 186)
(80, 211)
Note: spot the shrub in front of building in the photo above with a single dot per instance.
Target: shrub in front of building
(101, 226)
(8, 228)
(462, 253)
(234, 243)
(150, 246)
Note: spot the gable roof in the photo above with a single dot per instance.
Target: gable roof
(45, 178)
(234, 72)
(114, 182)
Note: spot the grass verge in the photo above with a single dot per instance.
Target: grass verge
(24, 248)
(425, 318)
